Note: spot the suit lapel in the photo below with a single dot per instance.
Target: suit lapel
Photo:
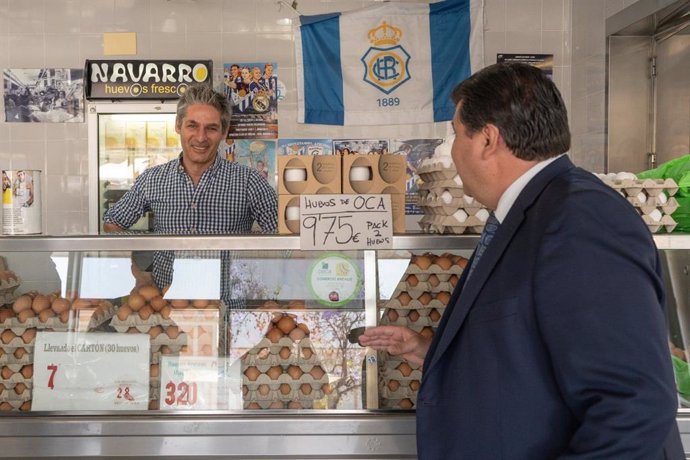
(466, 295)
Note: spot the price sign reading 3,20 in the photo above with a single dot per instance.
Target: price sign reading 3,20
(346, 222)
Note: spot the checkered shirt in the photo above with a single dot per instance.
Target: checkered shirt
(228, 199)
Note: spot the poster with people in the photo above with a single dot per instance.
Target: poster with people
(257, 154)
(44, 95)
(305, 146)
(540, 61)
(253, 91)
(416, 150)
(364, 146)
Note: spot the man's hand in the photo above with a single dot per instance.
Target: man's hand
(398, 341)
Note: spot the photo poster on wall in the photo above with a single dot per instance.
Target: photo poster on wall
(253, 90)
(44, 95)
(305, 147)
(258, 154)
(416, 151)
(363, 146)
(541, 61)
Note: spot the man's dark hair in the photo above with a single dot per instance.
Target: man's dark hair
(522, 102)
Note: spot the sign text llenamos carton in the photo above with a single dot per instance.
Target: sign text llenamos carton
(141, 79)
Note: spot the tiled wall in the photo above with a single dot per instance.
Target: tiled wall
(63, 33)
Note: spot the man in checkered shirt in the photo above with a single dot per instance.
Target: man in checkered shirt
(199, 192)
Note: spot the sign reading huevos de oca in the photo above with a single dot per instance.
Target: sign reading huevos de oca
(140, 79)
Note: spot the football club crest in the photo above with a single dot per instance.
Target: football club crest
(386, 62)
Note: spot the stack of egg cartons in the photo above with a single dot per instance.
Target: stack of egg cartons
(653, 198)
(447, 209)
(9, 282)
(418, 303)
(283, 370)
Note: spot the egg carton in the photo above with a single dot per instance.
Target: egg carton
(404, 390)
(420, 318)
(143, 325)
(9, 358)
(269, 354)
(436, 171)
(195, 315)
(438, 186)
(101, 317)
(18, 342)
(264, 405)
(425, 286)
(53, 323)
(285, 377)
(11, 395)
(651, 186)
(666, 223)
(398, 404)
(15, 406)
(163, 339)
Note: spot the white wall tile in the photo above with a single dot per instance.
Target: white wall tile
(494, 43)
(523, 42)
(552, 43)
(60, 51)
(4, 17)
(27, 131)
(90, 46)
(62, 16)
(168, 45)
(523, 15)
(495, 16)
(26, 17)
(205, 16)
(277, 47)
(132, 16)
(65, 193)
(26, 51)
(552, 15)
(238, 47)
(97, 16)
(167, 17)
(28, 154)
(239, 16)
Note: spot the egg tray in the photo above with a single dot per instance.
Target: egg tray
(424, 318)
(253, 358)
(651, 186)
(424, 286)
(274, 384)
(194, 314)
(437, 187)
(15, 378)
(652, 203)
(415, 304)
(9, 358)
(416, 294)
(9, 394)
(666, 223)
(295, 394)
(264, 405)
(435, 206)
(17, 342)
(53, 323)
(162, 339)
(15, 405)
(101, 315)
(449, 225)
(143, 325)
(434, 268)
(395, 404)
(402, 392)
(436, 172)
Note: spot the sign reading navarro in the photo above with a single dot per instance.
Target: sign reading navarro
(136, 79)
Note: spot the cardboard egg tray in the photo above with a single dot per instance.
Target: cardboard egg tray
(16, 376)
(388, 173)
(143, 325)
(652, 187)
(436, 172)
(8, 286)
(323, 174)
(10, 394)
(9, 358)
(411, 318)
(18, 327)
(258, 356)
(15, 405)
(264, 379)
(402, 390)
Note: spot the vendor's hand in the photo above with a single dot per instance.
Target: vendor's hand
(141, 278)
(397, 341)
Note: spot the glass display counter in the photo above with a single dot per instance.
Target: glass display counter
(209, 346)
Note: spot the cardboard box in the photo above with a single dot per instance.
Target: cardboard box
(285, 226)
(321, 174)
(386, 174)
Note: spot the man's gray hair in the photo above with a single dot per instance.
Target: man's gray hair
(204, 94)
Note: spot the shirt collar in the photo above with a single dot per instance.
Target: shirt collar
(513, 191)
(213, 168)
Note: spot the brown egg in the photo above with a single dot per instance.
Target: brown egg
(263, 389)
(316, 372)
(148, 292)
(172, 332)
(404, 298)
(413, 316)
(7, 336)
(274, 334)
(20, 352)
(270, 305)
(433, 280)
(453, 280)
(24, 315)
(392, 315)
(306, 389)
(179, 303)
(166, 350)
(29, 335)
(252, 373)
(200, 303)
(6, 373)
(5, 406)
(45, 315)
(304, 328)
(40, 303)
(434, 315)
(5, 314)
(443, 297)
(461, 262)
(154, 370)
(422, 261)
(294, 372)
(155, 331)
(274, 372)
(22, 303)
(123, 312)
(285, 353)
(414, 385)
(295, 405)
(245, 390)
(393, 385)
(20, 388)
(27, 371)
(427, 332)
(444, 262)
(165, 312)
(327, 388)
(296, 305)
(285, 388)
(64, 316)
(133, 330)
(425, 298)
(207, 350)
(406, 404)
(157, 303)
(277, 405)
(286, 324)
(297, 334)
(136, 301)
(307, 352)
(263, 353)
(59, 305)
(412, 280)
(405, 369)
(78, 304)
(253, 405)
(145, 312)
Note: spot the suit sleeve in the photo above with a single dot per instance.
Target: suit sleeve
(600, 311)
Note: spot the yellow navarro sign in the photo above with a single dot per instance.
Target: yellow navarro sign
(136, 79)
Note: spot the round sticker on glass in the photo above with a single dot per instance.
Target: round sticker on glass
(334, 279)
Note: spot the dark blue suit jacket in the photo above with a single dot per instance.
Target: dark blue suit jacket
(556, 348)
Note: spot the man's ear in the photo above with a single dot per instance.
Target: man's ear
(178, 125)
(491, 137)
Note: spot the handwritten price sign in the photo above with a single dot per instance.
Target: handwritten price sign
(91, 371)
(188, 383)
(343, 222)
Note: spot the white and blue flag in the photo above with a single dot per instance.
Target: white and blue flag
(392, 63)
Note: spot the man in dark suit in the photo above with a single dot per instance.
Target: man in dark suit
(554, 343)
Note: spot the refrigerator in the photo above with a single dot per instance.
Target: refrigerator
(124, 139)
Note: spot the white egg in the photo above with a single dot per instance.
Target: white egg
(468, 200)
(446, 197)
(655, 215)
(662, 198)
(457, 180)
(641, 197)
(460, 215)
(625, 175)
(482, 214)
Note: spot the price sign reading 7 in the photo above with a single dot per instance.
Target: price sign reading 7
(336, 228)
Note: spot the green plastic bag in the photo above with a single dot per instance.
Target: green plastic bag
(677, 169)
